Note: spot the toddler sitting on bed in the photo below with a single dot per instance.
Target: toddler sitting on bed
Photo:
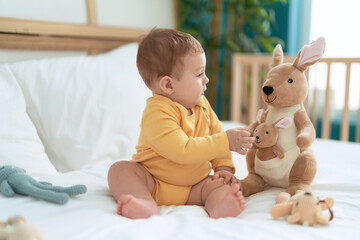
(181, 138)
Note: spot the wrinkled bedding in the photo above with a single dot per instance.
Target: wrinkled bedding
(93, 216)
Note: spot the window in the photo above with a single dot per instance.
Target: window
(338, 21)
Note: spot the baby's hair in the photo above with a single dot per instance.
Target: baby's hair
(161, 52)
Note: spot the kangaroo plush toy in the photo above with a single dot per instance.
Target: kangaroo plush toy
(284, 91)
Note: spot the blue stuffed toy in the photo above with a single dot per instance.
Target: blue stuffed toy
(14, 180)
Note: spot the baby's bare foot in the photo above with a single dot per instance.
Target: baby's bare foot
(231, 205)
(131, 207)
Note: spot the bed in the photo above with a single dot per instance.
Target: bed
(66, 120)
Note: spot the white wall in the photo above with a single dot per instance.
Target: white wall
(136, 13)
(72, 11)
(121, 13)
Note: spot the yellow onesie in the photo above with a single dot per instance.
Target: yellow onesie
(179, 150)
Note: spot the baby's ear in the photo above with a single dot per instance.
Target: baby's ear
(284, 122)
(310, 54)
(166, 84)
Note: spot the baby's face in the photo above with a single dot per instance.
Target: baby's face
(191, 83)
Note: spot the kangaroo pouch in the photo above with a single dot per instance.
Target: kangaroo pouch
(276, 171)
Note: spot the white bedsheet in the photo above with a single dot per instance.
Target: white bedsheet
(92, 215)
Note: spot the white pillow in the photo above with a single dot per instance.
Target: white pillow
(86, 109)
(19, 142)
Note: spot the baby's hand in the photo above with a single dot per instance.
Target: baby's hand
(239, 140)
(228, 177)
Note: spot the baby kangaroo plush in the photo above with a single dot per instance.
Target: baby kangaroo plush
(266, 136)
(284, 91)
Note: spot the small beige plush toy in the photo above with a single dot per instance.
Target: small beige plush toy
(303, 208)
(16, 228)
(266, 136)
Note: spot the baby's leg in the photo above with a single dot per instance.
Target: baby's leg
(219, 199)
(131, 185)
(225, 201)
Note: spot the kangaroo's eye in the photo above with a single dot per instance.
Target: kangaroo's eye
(267, 132)
(290, 80)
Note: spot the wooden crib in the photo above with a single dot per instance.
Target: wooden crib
(248, 73)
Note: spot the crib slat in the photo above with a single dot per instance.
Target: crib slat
(245, 96)
(313, 113)
(307, 107)
(313, 107)
(236, 91)
(344, 134)
(91, 12)
(253, 106)
(325, 131)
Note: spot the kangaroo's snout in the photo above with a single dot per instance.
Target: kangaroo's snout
(268, 90)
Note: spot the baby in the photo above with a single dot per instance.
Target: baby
(181, 138)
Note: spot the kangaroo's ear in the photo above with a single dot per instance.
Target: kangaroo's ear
(277, 57)
(260, 112)
(310, 54)
(284, 122)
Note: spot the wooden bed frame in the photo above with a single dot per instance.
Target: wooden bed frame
(43, 35)
(254, 67)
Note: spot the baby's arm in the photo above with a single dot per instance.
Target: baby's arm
(227, 173)
(239, 140)
(162, 130)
